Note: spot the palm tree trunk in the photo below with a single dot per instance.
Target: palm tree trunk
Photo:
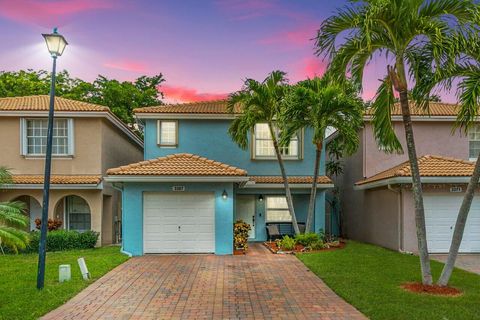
(417, 191)
(313, 192)
(460, 226)
(285, 181)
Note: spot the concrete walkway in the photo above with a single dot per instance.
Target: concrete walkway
(469, 262)
(259, 285)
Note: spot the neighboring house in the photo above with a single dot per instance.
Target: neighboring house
(376, 197)
(87, 139)
(195, 182)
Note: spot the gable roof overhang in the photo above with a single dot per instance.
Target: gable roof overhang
(57, 182)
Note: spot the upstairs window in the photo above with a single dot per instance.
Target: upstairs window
(167, 133)
(277, 209)
(263, 144)
(34, 141)
(474, 142)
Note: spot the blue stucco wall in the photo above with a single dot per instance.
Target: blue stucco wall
(209, 138)
(132, 215)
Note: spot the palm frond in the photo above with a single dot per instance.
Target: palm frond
(13, 238)
(5, 176)
(382, 118)
(11, 213)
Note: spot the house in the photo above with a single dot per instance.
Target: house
(376, 197)
(87, 139)
(195, 182)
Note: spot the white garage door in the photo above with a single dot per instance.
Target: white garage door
(441, 214)
(178, 222)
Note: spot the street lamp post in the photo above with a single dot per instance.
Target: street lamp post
(56, 43)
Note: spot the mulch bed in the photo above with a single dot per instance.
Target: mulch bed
(417, 287)
(272, 246)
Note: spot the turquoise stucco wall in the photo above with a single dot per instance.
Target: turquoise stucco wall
(210, 139)
(132, 215)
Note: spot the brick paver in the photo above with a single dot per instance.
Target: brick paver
(259, 285)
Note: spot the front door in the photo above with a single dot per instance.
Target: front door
(245, 210)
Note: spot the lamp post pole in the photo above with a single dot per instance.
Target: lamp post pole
(56, 44)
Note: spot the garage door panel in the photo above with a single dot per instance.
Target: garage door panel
(164, 213)
(441, 211)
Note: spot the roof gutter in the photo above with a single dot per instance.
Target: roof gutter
(408, 180)
(97, 186)
(254, 185)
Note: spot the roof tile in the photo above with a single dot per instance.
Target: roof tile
(42, 103)
(202, 107)
(57, 179)
(180, 164)
(434, 109)
(429, 166)
(291, 179)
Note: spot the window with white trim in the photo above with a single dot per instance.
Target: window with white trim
(34, 132)
(263, 144)
(167, 133)
(474, 141)
(277, 209)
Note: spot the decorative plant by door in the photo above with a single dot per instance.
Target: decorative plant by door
(240, 235)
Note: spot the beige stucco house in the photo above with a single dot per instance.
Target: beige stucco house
(375, 188)
(88, 139)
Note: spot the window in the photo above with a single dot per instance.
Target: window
(167, 133)
(34, 133)
(474, 141)
(263, 144)
(77, 214)
(277, 210)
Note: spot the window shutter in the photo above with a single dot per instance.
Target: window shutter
(71, 138)
(23, 137)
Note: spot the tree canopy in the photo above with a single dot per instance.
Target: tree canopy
(121, 96)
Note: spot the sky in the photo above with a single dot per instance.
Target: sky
(205, 49)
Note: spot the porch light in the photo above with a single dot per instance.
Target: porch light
(224, 194)
(56, 43)
(260, 198)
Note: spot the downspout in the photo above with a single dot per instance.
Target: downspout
(400, 216)
(120, 188)
(364, 155)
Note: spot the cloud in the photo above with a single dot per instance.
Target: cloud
(184, 94)
(252, 9)
(299, 37)
(47, 12)
(308, 67)
(127, 65)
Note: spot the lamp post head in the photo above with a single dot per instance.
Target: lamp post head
(56, 43)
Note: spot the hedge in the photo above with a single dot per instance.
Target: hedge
(60, 240)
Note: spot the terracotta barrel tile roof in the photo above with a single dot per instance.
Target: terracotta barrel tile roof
(429, 166)
(56, 179)
(291, 179)
(435, 109)
(42, 103)
(181, 164)
(202, 107)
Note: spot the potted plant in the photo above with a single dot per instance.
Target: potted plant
(240, 236)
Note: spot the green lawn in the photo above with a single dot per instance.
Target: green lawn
(369, 278)
(19, 298)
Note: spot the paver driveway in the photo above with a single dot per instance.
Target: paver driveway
(259, 285)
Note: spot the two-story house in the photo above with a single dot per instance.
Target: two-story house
(195, 182)
(87, 139)
(376, 197)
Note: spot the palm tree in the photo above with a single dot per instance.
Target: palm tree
(319, 104)
(465, 67)
(12, 219)
(396, 29)
(260, 102)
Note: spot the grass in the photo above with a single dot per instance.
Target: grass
(19, 298)
(369, 278)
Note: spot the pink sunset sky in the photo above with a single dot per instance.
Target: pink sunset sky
(204, 49)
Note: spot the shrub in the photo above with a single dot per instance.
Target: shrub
(60, 240)
(318, 245)
(240, 234)
(307, 239)
(286, 243)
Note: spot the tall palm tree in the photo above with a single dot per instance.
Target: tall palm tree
(260, 102)
(12, 220)
(464, 67)
(395, 28)
(319, 104)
